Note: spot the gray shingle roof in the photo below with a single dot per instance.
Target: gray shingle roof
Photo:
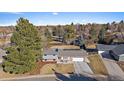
(50, 57)
(72, 53)
(50, 52)
(119, 49)
(53, 54)
(102, 47)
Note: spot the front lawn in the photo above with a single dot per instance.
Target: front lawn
(61, 68)
(97, 65)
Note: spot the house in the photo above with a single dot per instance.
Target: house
(104, 48)
(2, 53)
(118, 52)
(50, 55)
(71, 55)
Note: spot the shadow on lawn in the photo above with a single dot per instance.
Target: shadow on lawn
(73, 77)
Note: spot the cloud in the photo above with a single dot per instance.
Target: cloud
(8, 24)
(55, 13)
(17, 13)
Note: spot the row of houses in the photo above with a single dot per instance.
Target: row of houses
(68, 55)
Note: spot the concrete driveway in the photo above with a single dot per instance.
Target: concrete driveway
(115, 72)
(82, 67)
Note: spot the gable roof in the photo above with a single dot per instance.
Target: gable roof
(119, 49)
(72, 53)
(102, 47)
(50, 52)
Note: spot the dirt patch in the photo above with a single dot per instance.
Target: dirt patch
(97, 65)
(61, 68)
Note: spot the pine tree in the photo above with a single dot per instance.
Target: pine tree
(25, 50)
(101, 35)
(70, 32)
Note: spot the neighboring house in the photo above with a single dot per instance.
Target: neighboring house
(71, 55)
(104, 48)
(118, 52)
(50, 55)
(2, 53)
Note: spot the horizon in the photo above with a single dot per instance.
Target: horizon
(60, 18)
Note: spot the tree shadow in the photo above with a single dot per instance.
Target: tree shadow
(73, 77)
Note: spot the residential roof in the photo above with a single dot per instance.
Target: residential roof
(119, 49)
(50, 54)
(50, 51)
(72, 53)
(102, 47)
(50, 57)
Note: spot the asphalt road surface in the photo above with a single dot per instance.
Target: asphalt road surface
(33, 78)
(36, 79)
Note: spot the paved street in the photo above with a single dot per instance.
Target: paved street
(36, 79)
(32, 78)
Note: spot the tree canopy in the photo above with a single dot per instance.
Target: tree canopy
(25, 50)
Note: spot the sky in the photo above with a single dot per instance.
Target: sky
(60, 18)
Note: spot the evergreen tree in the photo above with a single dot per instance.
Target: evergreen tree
(25, 50)
(70, 32)
(101, 35)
